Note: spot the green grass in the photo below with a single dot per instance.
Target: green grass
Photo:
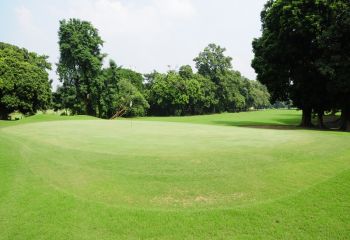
(231, 176)
(280, 118)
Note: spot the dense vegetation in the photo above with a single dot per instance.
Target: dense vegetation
(89, 89)
(24, 81)
(304, 55)
(188, 93)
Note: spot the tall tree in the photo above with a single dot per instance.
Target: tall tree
(212, 62)
(24, 81)
(335, 59)
(215, 65)
(80, 64)
(118, 83)
(130, 99)
(109, 91)
(286, 54)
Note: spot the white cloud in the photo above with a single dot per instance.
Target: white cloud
(175, 8)
(145, 34)
(116, 17)
(25, 19)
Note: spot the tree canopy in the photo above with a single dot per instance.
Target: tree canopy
(188, 93)
(24, 81)
(301, 53)
(80, 65)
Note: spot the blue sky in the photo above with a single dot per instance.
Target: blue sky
(144, 35)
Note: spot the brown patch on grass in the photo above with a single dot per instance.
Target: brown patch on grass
(189, 201)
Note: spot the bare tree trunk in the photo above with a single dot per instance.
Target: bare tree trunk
(320, 115)
(306, 118)
(89, 108)
(345, 119)
(4, 115)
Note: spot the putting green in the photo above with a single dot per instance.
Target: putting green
(149, 178)
(172, 165)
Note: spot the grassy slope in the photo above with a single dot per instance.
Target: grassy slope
(152, 179)
(258, 118)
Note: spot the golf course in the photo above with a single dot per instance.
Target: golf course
(250, 175)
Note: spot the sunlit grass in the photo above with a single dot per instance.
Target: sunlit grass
(233, 176)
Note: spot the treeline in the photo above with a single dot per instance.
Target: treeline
(188, 93)
(106, 92)
(304, 55)
(88, 88)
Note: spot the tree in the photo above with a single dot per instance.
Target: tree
(24, 81)
(186, 71)
(168, 94)
(80, 65)
(135, 78)
(116, 82)
(215, 65)
(292, 57)
(335, 59)
(201, 95)
(212, 62)
(256, 95)
(230, 85)
(109, 90)
(130, 99)
(180, 93)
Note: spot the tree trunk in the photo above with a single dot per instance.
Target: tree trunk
(345, 119)
(306, 118)
(89, 107)
(320, 115)
(4, 115)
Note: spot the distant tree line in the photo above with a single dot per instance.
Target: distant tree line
(106, 92)
(88, 88)
(303, 55)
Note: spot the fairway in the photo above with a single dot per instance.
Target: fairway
(232, 176)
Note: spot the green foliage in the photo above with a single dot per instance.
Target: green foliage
(134, 77)
(109, 90)
(233, 92)
(80, 65)
(334, 62)
(188, 93)
(130, 98)
(229, 92)
(303, 53)
(256, 95)
(212, 62)
(24, 82)
(181, 93)
(89, 89)
(168, 94)
(120, 88)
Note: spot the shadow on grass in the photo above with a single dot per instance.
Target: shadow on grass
(258, 125)
(287, 122)
(277, 124)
